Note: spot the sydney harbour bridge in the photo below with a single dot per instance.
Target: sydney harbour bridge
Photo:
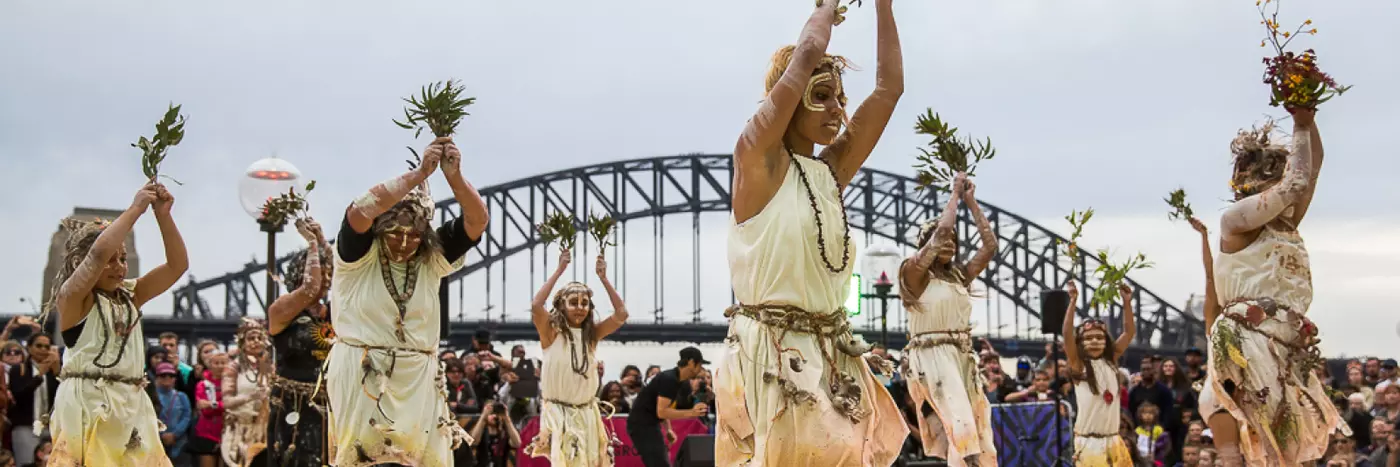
(642, 195)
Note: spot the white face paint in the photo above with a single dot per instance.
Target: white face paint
(395, 185)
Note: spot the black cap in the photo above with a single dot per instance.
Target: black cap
(1388, 363)
(692, 354)
(483, 335)
(1194, 350)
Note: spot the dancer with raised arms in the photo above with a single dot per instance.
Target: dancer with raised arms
(301, 336)
(387, 389)
(101, 414)
(942, 367)
(1264, 403)
(792, 388)
(571, 425)
(1093, 364)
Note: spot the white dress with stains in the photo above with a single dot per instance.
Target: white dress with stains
(774, 260)
(943, 372)
(571, 427)
(1097, 441)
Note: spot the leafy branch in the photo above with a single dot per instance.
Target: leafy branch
(558, 226)
(289, 205)
(170, 130)
(600, 228)
(439, 107)
(1181, 208)
(947, 154)
(1077, 220)
(1112, 276)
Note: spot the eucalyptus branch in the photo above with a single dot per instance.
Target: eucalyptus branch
(1111, 276)
(289, 205)
(170, 130)
(600, 227)
(1180, 208)
(947, 154)
(1077, 220)
(558, 227)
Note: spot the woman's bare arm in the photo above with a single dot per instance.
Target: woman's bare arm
(177, 259)
(380, 198)
(1125, 340)
(1301, 207)
(1071, 339)
(1211, 308)
(475, 216)
(539, 309)
(984, 255)
(854, 146)
(286, 307)
(1252, 213)
(619, 316)
(755, 167)
(76, 289)
(914, 273)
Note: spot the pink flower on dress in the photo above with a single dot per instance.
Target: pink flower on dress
(1107, 396)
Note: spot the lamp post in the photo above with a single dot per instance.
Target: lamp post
(265, 179)
(882, 262)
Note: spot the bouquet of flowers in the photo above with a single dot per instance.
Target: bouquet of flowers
(439, 107)
(1180, 208)
(170, 130)
(558, 226)
(289, 205)
(947, 154)
(600, 228)
(1111, 276)
(1294, 79)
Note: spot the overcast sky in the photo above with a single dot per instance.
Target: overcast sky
(1100, 103)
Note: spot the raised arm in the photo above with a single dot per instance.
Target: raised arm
(286, 307)
(76, 289)
(853, 147)
(380, 198)
(984, 230)
(1315, 146)
(539, 309)
(1071, 337)
(1211, 308)
(1125, 294)
(474, 214)
(177, 260)
(915, 273)
(619, 316)
(1255, 211)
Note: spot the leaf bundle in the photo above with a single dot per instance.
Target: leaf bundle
(1111, 276)
(558, 226)
(600, 227)
(1180, 208)
(289, 205)
(947, 154)
(1077, 220)
(170, 130)
(439, 107)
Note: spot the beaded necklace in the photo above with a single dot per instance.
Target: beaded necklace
(123, 327)
(410, 282)
(817, 214)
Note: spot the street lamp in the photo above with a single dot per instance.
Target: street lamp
(882, 262)
(266, 179)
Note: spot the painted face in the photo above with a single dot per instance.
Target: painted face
(402, 242)
(823, 112)
(255, 341)
(947, 249)
(577, 307)
(1095, 341)
(113, 273)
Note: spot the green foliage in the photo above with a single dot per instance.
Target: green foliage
(600, 227)
(947, 154)
(558, 226)
(289, 205)
(170, 130)
(439, 107)
(1180, 208)
(1077, 220)
(1111, 276)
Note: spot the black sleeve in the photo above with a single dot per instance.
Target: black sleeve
(668, 387)
(352, 245)
(683, 394)
(455, 241)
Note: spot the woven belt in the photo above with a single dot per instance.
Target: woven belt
(1095, 435)
(961, 338)
(138, 381)
(572, 405)
(833, 331)
(794, 319)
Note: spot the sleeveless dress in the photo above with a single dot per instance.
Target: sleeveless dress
(103, 416)
(788, 344)
(1096, 439)
(943, 372)
(388, 396)
(571, 426)
(243, 437)
(1263, 350)
(301, 348)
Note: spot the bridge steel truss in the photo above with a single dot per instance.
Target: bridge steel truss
(880, 204)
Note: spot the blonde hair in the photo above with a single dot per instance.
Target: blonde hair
(834, 64)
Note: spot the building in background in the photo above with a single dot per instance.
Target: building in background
(60, 237)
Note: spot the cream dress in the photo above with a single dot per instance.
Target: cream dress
(770, 414)
(106, 422)
(1096, 439)
(943, 372)
(1260, 347)
(571, 427)
(244, 435)
(414, 427)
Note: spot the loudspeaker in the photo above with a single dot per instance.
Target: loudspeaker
(697, 451)
(1053, 304)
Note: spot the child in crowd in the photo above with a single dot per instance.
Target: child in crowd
(209, 399)
(1153, 441)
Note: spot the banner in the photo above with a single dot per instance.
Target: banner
(1025, 434)
(625, 454)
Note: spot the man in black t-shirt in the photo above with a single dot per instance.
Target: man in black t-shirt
(657, 404)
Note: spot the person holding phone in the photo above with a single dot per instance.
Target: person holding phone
(494, 437)
(656, 406)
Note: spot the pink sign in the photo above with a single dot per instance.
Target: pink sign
(626, 455)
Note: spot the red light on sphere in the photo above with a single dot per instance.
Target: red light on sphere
(272, 175)
(883, 280)
(263, 180)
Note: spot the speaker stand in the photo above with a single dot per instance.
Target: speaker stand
(1058, 398)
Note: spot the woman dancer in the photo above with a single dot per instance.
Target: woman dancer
(571, 427)
(301, 337)
(1093, 363)
(793, 388)
(387, 389)
(942, 367)
(101, 415)
(247, 382)
(1263, 401)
